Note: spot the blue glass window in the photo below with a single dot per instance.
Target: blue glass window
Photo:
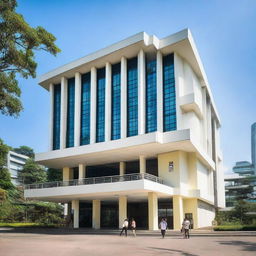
(151, 94)
(116, 102)
(169, 97)
(85, 109)
(56, 116)
(100, 113)
(70, 113)
(132, 97)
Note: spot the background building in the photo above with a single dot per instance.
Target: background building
(136, 131)
(242, 185)
(15, 163)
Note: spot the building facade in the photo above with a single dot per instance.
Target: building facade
(15, 163)
(136, 131)
(242, 185)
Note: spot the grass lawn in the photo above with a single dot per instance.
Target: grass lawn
(19, 224)
(236, 227)
(27, 224)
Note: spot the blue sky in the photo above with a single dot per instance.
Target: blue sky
(224, 32)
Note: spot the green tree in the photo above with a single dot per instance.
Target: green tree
(5, 177)
(32, 173)
(19, 41)
(54, 174)
(240, 211)
(25, 150)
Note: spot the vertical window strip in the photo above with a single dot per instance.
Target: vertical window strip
(100, 112)
(132, 97)
(85, 109)
(56, 116)
(116, 102)
(169, 96)
(70, 113)
(151, 96)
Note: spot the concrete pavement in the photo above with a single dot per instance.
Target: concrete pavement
(14, 243)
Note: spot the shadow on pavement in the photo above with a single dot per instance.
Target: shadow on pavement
(172, 250)
(246, 246)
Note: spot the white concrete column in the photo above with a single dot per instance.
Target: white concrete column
(122, 168)
(178, 214)
(142, 164)
(82, 171)
(51, 92)
(123, 97)
(66, 173)
(75, 209)
(122, 210)
(96, 214)
(77, 108)
(159, 83)
(152, 211)
(93, 105)
(63, 113)
(108, 103)
(141, 92)
(66, 209)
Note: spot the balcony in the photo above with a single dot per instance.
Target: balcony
(96, 180)
(109, 187)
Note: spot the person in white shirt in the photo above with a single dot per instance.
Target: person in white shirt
(163, 227)
(185, 227)
(133, 227)
(125, 227)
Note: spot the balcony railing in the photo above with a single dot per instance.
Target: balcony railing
(96, 180)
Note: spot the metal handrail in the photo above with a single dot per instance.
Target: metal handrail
(96, 180)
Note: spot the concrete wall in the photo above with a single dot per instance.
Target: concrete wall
(188, 85)
(206, 214)
(204, 179)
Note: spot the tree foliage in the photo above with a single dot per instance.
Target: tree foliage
(54, 174)
(25, 150)
(5, 177)
(240, 214)
(32, 173)
(18, 42)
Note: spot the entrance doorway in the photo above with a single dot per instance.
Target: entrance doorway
(165, 210)
(138, 211)
(85, 215)
(109, 215)
(189, 216)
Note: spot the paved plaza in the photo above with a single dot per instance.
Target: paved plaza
(26, 243)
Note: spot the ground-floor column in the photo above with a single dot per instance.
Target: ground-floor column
(152, 211)
(65, 209)
(75, 210)
(96, 214)
(177, 212)
(122, 210)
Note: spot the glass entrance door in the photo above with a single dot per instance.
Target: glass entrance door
(85, 215)
(109, 215)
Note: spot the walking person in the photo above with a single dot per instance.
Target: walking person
(186, 226)
(125, 227)
(163, 227)
(133, 227)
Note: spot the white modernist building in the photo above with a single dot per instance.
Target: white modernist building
(15, 163)
(136, 132)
